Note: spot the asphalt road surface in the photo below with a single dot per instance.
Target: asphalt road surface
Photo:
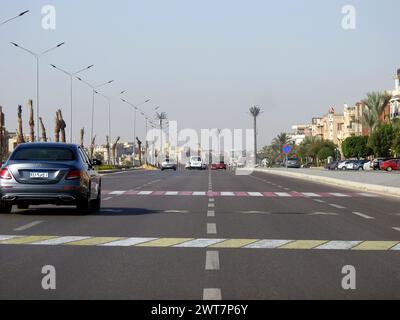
(206, 235)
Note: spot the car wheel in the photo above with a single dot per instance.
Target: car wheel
(389, 169)
(5, 207)
(360, 169)
(344, 168)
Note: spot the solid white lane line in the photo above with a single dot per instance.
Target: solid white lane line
(199, 243)
(210, 213)
(60, 240)
(337, 206)
(27, 226)
(212, 260)
(211, 228)
(362, 215)
(212, 294)
(338, 245)
(127, 242)
(176, 211)
(267, 244)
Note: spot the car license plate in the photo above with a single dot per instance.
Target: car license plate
(39, 175)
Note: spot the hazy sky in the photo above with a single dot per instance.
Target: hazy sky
(204, 62)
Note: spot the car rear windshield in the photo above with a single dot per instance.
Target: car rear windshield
(44, 154)
(196, 159)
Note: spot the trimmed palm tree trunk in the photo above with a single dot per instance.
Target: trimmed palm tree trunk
(92, 144)
(108, 150)
(31, 122)
(43, 129)
(62, 126)
(82, 134)
(57, 127)
(20, 132)
(140, 150)
(114, 149)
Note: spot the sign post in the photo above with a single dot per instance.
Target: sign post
(286, 149)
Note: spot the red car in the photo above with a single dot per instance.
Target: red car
(218, 166)
(389, 165)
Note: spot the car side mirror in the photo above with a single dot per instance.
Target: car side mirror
(96, 162)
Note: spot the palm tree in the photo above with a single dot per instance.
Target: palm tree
(375, 104)
(281, 140)
(255, 112)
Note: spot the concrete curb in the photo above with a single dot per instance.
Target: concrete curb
(393, 191)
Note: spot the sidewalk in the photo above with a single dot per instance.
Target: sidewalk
(373, 181)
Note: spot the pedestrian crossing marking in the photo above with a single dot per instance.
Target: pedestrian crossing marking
(26, 239)
(164, 242)
(376, 245)
(93, 241)
(303, 244)
(221, 243)
(234, 243)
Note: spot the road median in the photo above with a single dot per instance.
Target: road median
(383, 184)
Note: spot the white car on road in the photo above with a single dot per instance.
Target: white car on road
(345, 165)
(195, 163)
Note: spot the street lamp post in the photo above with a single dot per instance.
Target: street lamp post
(71, 75)
(93, 94)
(135, 107)
(37, 57)
(17, 16)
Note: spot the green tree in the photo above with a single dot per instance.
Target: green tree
(396, 139)
(381, 140)
(356, 147)
(326, 152)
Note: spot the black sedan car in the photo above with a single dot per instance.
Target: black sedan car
(49, 173)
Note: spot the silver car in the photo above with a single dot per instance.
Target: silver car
(49, 173)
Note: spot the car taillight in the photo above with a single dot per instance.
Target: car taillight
(73, 174)
(5, 174)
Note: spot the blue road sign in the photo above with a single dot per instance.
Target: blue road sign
(286, 149)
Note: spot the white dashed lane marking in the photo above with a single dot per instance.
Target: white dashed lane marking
(362, 215)
(27, 226)
(337, 206)
(212, 260)
(211, 228)
(212, 294)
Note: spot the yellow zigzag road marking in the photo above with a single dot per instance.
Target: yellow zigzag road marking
(303, 244)
(375, 245)
(93, 241)
(233, 243)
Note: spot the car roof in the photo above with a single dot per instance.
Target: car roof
(47, 144)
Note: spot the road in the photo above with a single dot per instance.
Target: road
(206, 235)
